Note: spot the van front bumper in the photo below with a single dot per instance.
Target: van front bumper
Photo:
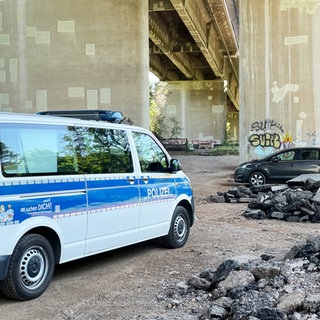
(4, 266)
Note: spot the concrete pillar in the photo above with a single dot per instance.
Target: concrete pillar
(279, 75)
(66, 54)
(200, 108)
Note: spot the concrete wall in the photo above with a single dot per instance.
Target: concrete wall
(279, 75)
(199, 107)
(67, 54)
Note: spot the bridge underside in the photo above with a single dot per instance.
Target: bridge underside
(195, 40)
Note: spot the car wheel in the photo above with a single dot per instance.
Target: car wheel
(179, 229)
(257, 179)
(30, 269)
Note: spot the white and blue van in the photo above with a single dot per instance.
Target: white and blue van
(71, 188)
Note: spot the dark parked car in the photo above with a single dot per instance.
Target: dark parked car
(279, 167)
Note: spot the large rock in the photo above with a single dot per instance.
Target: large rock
(252, 288)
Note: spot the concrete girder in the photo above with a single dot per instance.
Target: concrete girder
(196, 18)
(223, 23)
(209, 24)
(188, 47)
(163, 68)
(224, 17)
(160, 5)
(160, 35)
(232, 83)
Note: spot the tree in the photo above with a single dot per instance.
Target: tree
(163, 126)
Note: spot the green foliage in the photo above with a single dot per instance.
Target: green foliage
(224, 150)
(163, 126)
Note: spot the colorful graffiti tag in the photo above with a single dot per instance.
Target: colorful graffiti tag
(266, 125)
(265, 140)
(264, 135)
(287, 141)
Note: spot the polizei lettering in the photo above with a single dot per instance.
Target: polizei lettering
(158, 192)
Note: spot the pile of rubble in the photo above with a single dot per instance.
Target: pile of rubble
(253, 288)
(296, 201)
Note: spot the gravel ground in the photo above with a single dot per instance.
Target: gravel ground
(131, 283)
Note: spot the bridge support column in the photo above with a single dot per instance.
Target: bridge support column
(199, 107)
(279, 76)
(66, 54)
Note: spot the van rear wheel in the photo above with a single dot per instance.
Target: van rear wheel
(179, 229)
(31, 268)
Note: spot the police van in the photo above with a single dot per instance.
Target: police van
(71, 188)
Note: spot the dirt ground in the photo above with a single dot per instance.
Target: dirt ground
(129, 283)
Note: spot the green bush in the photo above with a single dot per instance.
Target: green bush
(224, 150)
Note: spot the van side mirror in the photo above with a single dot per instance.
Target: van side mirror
(175, 165)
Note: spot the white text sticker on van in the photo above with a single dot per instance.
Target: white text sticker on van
(43, 207)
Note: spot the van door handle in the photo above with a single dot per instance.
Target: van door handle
(131, 180)
(145, 179)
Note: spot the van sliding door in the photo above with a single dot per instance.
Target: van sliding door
(113, 192)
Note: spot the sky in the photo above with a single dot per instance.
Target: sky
(152, 78)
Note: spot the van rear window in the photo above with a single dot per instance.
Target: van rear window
(33, 150)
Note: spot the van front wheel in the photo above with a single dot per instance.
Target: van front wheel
(179, 229)
(30, 269)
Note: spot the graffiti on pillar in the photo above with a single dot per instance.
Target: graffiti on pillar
(269, 134)
(309, 5)
(287, 141)
(266, 125)
(265, 134)
(265, 140)
(279, 93)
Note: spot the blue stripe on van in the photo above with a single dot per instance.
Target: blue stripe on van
(43, 198)
(112, 193)
(29, 197)
(37, 186)
(15, 211)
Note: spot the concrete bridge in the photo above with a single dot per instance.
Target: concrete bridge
(262, 91)
(194, 47)
(195, 40)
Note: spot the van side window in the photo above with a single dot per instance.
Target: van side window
(151, 156)
(32, 150)
(102, 150)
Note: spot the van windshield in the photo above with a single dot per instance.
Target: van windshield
(27, 150)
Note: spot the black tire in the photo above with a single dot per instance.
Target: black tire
(30, 269)
(179, 229)
(257, 179)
